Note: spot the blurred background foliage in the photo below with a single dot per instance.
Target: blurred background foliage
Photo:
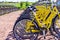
(20, 5)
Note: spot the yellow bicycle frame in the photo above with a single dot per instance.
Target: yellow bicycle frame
(43, 16)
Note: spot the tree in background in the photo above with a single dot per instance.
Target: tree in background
(27, 4)
(21, 5)
(24, 5)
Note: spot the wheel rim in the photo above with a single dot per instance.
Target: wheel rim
(19, 30)
(55, 29)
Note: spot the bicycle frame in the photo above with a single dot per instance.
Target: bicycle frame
(44, 17)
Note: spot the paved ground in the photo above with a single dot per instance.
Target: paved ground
(6, 23)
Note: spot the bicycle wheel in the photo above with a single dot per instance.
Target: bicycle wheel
(20, 33)
(55, 28)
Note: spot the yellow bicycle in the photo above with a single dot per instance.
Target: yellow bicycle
(37, 19)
